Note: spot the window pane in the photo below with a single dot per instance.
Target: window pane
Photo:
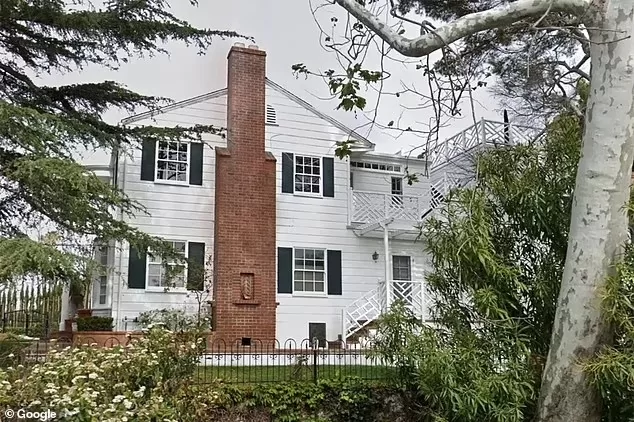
(299, 254)
(299, 264)
(309, 275)
(299, 286)
(319, 265)
(319, 276)
(319, 287)
(309, 286)
(319, 254)
(299, 275)
(180, 247)
(310, 254)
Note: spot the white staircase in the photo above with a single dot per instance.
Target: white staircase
(364, 310)
(374, 208)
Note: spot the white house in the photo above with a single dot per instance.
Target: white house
(299, 243)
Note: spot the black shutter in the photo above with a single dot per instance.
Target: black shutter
(196, 163)
(196, 266)
(334, 272)
(148, 160)
(136, 269)
(288, 162)
(285, 270)
(329, 177)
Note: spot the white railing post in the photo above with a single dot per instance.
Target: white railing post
(386, 244)
(350, 205)
(344, 326)
(422, 300)
(386, 204)
(484, 131)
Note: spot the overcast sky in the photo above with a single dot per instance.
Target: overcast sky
(287, 31)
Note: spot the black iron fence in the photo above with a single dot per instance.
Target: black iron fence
(31, 323)
(274, 361)
(234, 362)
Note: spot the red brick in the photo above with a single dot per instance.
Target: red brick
(245, 207)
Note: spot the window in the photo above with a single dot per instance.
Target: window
(375, 166)
(157, 273)
(307, 174)
(172, 160)
(401, 268)
(310, 271)
(397, 186)
(103, 275)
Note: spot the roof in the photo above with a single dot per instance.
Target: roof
(219, 93)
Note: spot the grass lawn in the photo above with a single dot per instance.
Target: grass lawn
(257, 374)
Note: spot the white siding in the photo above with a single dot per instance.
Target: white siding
(176, 212)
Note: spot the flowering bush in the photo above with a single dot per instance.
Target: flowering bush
(140, 382)
(174, 319)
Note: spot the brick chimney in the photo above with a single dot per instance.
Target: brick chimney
(245, 209)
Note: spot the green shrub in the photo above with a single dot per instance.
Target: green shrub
(174, 320)
(141, 381)
(347, 400)
(12, 350)
(94, 323)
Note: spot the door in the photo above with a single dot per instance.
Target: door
(402, 277)
(397, 196)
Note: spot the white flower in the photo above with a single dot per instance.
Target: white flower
(118, 399)
(11, 355)
(93, 376)
(77, 378)
(127, 404)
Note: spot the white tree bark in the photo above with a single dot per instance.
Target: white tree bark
(598, 227)
(496, 17)
(598, 220)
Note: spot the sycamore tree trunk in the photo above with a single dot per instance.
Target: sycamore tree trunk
(598, 227)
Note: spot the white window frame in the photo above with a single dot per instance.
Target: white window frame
(156, 164)
(324, 272)
(148, 263)
(400, 170)
(103, 278)
(321, 175)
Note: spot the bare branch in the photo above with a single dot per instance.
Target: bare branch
(467, 25)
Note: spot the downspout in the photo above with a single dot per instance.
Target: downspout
(117, 277)
(386, 245)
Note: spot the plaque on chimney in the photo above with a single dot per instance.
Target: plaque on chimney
(246, 286)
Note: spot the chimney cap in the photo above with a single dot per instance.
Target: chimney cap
(254, 47)
(238, 44)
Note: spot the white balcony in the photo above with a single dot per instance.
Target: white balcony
(369, 207)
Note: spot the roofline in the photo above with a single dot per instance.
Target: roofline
(174, 106)
(313, 110)
(268, 82)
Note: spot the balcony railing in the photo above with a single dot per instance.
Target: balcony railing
(367, 308)
(374, 206)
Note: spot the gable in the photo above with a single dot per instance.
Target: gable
(211, 109)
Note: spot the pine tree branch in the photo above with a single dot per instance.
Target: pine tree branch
(467, 25)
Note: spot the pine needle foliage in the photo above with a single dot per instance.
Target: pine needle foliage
(42, 127)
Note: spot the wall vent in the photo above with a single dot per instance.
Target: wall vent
(271, 116)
